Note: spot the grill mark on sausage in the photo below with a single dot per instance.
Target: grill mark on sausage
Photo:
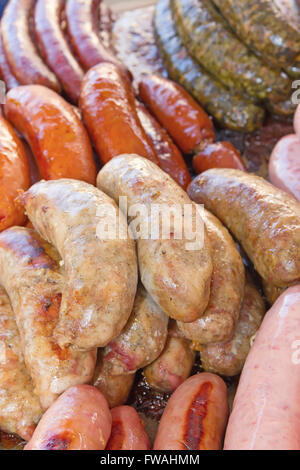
(58, 442)
(117, 436)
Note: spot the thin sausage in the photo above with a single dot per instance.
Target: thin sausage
(218, 155)
(5, 71)
(127, 431)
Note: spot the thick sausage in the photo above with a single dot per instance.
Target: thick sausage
(57, 137)
(142, 340)
(226, 292)
(266, 408)
(195, 416)
(228, 358)
(218, 155)
(100, 272)
(265, 220)
(127, 431)
(177, 278)
(5, 72)
(55, 48)
(14, 176)
(176, 110)
(79, 420)
(33, 282)
(20, 50)
(107, 103)
(20, 408)
(170, 157)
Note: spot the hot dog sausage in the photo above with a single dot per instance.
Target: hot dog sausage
(195, 416)
(187, 123)
(108, 107)
(33, 282)
(20, 51)
(79, 420)
(55, 48)
(177, 279)
(127, 431)
(218, 155)
(99, 296)
(5, 72)
(265, 220)
(58, 139)
(265, 413)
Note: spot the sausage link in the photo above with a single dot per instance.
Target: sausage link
(52, 128)
(272, 292)
(195, 416)
(79, 420)
(5, 72)
(127, 431)
(107, 103)
(187, 123)
(218, 155)
(55, 48)
(20, 51)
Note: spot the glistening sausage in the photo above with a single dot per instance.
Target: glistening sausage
(127, 431)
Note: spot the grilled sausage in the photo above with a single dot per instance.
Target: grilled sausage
(20, 51)
(55, 48)
(176, 277)
(227, 289)
(218, 155)
(195, 416)
(272, 292)
(5, 71)
(33, 282)
(79, 420)
(127, 431)
(107, 103)
(265, 220)
(99, 294)
(19, 406)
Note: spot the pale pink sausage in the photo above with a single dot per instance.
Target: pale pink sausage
(284, 166)
(79, 420)
(266, 409)
(195, 416)
(127, 432)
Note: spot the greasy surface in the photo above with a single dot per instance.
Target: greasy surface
(127, 431)
(55, 48)
(19, 46)
(229, 109)
(195, 416)
(219, 320)
(79, 420)
(59, 141)
(176, 277)
(98, 297)
(264, 219)
(108, 108)
(218, 155)
(33, 282)
(5, 72)
(142, 339)
(19, 407)
(192, 127)
(14, 176)
(229, 358)
(266, 408)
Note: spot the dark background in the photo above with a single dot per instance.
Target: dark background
(2, 5)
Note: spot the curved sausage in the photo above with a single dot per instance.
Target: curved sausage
(220, 318)
(14, 176)
(100, 273)
(20, 51)
(127, 431)
(266, 408)
(186, 122)
(229, 358)
(57, 137)
(107, 103)
(20, 408)
(33, 282)
(218, 155)
(55, 48)
(79, 420)
(195, 416)
(176, 277)
(5, 72)
(170, 157)
(265, 220)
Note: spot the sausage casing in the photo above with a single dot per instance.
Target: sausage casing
(127, 431)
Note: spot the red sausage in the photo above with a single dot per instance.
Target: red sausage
(5, 72)
(170, 157)
(127, 432)
(55, 48)
(195, 416)
(20, 51)
(266, 409)
(218, 155)
(79, 420)
(186, 122)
